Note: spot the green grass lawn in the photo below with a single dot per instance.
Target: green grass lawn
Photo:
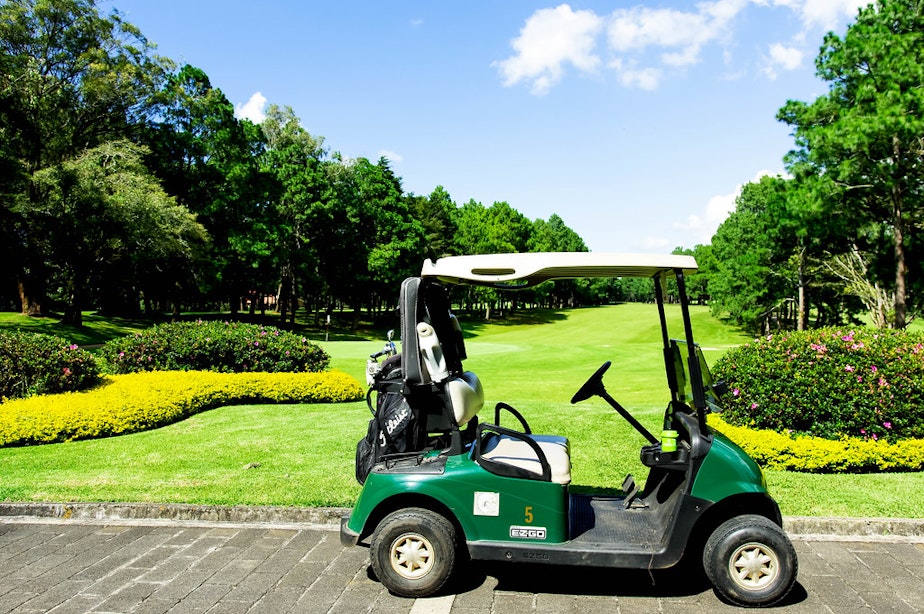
(96, 329)
(303, 454)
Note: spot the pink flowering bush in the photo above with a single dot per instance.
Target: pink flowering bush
(229, 347)
(34, 363)
(829, 383)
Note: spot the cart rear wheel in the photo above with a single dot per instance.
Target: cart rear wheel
(413, 552)
(750, 561)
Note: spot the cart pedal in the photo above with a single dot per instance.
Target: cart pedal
(630, 488)
(628, 483)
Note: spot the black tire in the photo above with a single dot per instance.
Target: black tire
(750, 561)
(413, 552)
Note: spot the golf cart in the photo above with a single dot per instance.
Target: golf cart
(440, 484)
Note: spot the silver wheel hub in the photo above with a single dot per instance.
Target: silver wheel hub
(753, 566)
(411, 556)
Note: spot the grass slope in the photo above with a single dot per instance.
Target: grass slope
(303, 455)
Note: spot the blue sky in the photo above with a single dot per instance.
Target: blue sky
(636, 122)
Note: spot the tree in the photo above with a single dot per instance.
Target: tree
(435, 214)
(555, 236)
(398, 241)
(71, 80)
(386, 243)
(698, 283)
(102, 207)
(208, 160)
(768, 259)
(752, 250)
(866, 135)
(306, 226)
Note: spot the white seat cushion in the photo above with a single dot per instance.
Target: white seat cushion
(516, 452)
(556, 439)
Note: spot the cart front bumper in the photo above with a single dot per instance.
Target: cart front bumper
(348, 537)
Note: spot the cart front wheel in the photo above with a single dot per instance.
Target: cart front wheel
(413, 552)
(750, 561)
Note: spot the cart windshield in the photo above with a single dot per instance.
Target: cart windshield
(713, 390)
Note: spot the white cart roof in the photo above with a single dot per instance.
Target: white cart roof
(529, 269)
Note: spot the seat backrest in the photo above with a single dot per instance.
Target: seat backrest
(466, 396)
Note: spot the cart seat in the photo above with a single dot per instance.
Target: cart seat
(508, 450)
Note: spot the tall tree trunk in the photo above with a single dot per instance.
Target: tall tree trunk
(802, 315)
(32, 305)
(293, 295)
(72, 311)
(285, 290)
(31, 286)
(901, 267)
(901, 272)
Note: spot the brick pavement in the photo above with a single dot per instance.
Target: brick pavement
(62, 566)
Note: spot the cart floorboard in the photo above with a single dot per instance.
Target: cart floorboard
(604, 520)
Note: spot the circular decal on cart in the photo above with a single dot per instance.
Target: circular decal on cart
(487, 503)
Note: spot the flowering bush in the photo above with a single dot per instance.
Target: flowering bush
(33, 363)
(140, 401)
(213, 346)
(829, 383)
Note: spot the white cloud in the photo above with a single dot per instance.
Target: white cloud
(549, 39)
(645, 45)
(655, 243)
(681, 34)
(393, 157)
(640, 78)
(416, 23)
(821, 14)
(782, 57)
(253, 109)
(830, 13)
(701, 227)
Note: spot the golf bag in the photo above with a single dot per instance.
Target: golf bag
(393, 427)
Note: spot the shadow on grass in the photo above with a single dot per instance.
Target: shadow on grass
(98, 329)
(95, 331)
(473, 322)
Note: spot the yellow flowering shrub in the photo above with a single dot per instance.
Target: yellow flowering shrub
(774, 450)
(139, 401)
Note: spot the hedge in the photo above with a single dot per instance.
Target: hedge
(783, 452)
(831, 383)
(230, 347)
(136, 402)
(35, 363)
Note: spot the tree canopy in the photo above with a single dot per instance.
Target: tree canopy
(127, 183)
(865, 137)
(842, 234)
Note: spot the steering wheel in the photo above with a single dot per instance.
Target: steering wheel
(592, 386)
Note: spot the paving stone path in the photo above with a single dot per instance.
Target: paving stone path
(60, 566)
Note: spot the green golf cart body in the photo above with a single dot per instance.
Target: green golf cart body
(469, 487)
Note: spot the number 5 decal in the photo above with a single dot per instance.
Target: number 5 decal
(529, 514)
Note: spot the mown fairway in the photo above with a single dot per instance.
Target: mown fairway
(303, 455)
